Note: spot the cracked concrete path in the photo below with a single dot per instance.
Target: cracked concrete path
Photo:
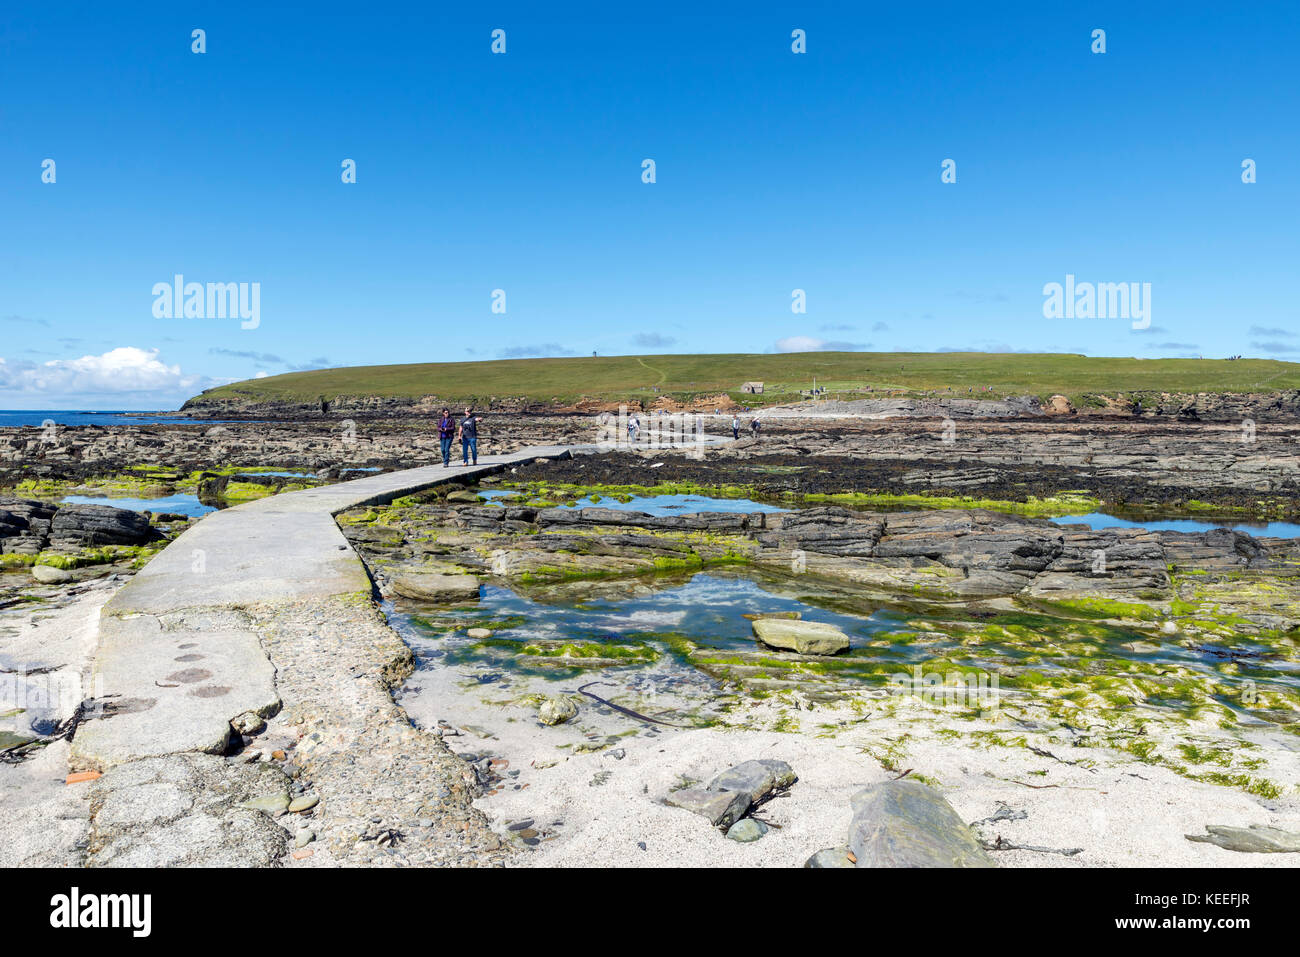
(184, 648)
(181, 676)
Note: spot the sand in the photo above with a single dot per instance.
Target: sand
(596, 809)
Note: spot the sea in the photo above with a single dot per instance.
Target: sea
(13, 418)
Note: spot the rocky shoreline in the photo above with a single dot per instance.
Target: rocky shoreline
(1114, 662)
(1171, 406)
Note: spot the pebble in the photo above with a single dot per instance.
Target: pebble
(270, 803)
(479, 633)
(304, 803)
(746, 830)
(304, 837)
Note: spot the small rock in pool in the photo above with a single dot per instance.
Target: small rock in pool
(479, 633)
(746, 830)
(556, 711)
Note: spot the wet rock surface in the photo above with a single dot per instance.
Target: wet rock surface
(29, 527)
(907, 824)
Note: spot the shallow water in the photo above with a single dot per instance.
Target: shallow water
(1099, 520)
(180, 504)
(709, 610)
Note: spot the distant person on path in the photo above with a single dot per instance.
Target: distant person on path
(633, 427)
(754, 426)
(446, 432)
(468, 432)
(735, 428)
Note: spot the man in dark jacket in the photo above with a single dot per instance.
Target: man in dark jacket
(468, 433)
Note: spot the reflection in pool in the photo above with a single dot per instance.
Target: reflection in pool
(174, 504)
(1098, 520)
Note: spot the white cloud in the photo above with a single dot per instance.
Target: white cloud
(812, 344)
(122, 372)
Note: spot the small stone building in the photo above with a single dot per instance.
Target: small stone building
(752, 388)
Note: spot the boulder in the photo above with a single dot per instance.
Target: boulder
(435, 585)
(907, 824)
(101, 525)
(805, 637)
(758, 779)
(722, 808)
(463, 495)
(49, 575)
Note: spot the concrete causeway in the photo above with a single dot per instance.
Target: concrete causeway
(177, 667)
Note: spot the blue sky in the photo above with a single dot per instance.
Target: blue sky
(523, 172)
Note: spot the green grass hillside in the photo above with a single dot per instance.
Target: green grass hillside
(844, 374)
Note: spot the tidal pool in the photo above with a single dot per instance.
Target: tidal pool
(684, 642)
(176, 504)
(1099, 520)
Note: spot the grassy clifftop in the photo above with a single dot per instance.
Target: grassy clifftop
(848, 374)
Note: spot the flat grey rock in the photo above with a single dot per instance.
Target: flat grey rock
(907, 824)
(721, 808)
(757, 778)
(805, 637)
(435, 586)
(1255, 839)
